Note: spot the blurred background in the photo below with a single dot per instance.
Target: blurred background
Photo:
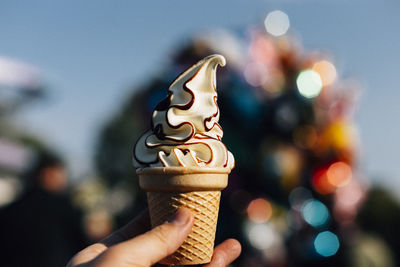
(308, 101)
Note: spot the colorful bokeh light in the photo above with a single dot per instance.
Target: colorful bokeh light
(321, 183)
(277, 23)
(309, 83)
(256, 74)
(326, 71)
(315, 213)
(262, 236)
(259, 210)
(326, 244)
(339, 174)
(336, 175)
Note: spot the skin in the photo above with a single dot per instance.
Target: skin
(134, 245)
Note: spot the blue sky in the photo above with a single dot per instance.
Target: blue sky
(92, 52)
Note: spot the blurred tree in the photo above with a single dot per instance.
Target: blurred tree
(381, 215)
(20, 84)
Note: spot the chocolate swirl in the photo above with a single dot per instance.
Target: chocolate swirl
(184, 129)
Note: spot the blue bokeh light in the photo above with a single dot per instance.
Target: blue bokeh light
(326, 244)
(315, 213)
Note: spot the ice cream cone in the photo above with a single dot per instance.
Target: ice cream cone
(194, 188)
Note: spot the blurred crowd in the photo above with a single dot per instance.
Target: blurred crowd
(41, 227)
(295, 198)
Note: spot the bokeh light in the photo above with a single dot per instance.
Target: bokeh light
(309, 83)
(256, 74)
(262, 236)
(98, 225)
(326, 244)
(9, 190)
(263, 50)
(277, 23)
(347, 201)
(341, 136)
(259, 210)
(339, 174)
(321, 183)
(326, 71)
(288, 160)
(315, 213)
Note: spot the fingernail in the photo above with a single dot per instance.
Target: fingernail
(181, 217)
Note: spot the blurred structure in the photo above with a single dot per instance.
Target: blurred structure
(38, 224)
(294, 196)
(20, 84)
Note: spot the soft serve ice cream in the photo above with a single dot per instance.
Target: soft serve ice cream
(184, 128)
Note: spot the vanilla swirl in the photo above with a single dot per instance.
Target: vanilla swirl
(184, 128)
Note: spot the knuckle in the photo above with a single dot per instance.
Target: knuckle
(96, 248)
(87, 254)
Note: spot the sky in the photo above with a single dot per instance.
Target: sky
(93, 52)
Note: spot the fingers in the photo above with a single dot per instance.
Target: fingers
(137, 226)
(225, 253)
(152, 246)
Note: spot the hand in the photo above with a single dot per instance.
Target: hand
(133, 246)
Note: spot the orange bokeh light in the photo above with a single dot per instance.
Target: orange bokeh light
(259, 210)
(321, 183)
(326, 70)
(339, 174)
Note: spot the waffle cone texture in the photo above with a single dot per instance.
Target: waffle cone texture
(197, 189)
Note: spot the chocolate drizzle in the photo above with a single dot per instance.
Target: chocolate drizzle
(164, 143)
(158, 129)
(164, 104)
(208, 119)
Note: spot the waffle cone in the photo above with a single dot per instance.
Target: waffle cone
(197, 189)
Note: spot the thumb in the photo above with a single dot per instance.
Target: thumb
(152, 246)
